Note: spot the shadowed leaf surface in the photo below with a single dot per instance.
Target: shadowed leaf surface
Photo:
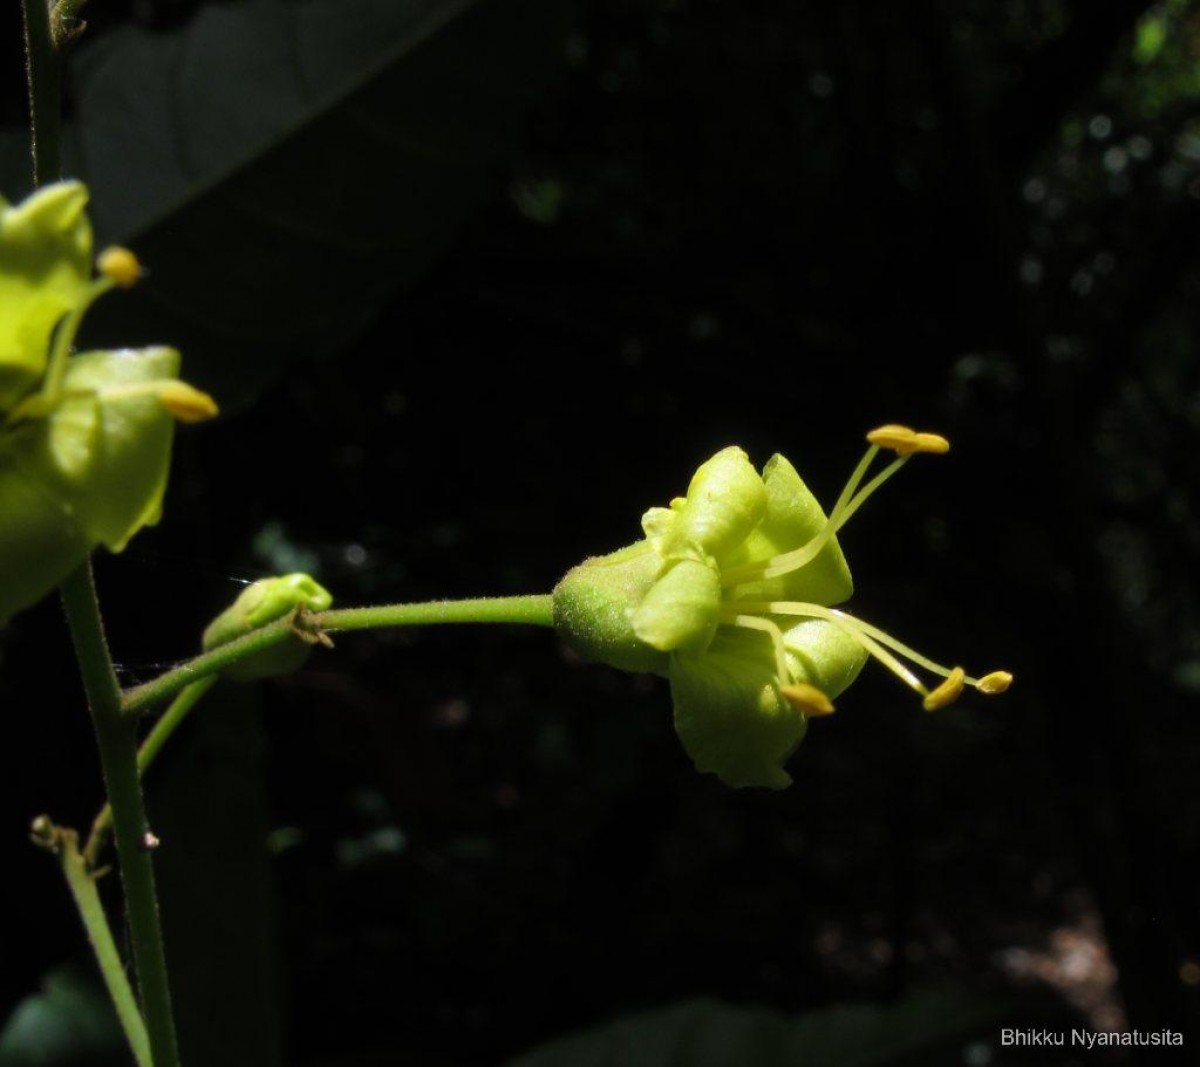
(283, 167)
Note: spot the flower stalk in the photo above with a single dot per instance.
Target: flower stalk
(81, 880)
(531, 610)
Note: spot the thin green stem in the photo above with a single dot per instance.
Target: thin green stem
(82, 883)
(534, 610)
(150, 747)
(43, 70)
(117, 740)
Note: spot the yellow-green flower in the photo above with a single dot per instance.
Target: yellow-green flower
(731, 595)
(85, 440)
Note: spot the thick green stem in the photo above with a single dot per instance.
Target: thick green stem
(43, 69)
(150, 747)
(82, 883)
(535, 610)
(117, 739)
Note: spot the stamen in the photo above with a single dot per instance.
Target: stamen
(996, 682)
(883, 637)
(887, 659)
(854, 481)
(892, 436)
(877, 642)
(905, 441)
(849, 626)
(933, 443)
(807, 698)
(847, 504)
(837, 521)
(946, 693)
(187, 403)
(756, 622)
(120, 266)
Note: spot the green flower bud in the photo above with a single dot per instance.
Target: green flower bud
(45, 271)
(260, 603)
(731, 596)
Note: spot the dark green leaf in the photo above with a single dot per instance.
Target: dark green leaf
(69, 1024)
(928, 1029)
(282, 167)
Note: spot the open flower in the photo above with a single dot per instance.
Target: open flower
(85, 440)
(731, 595)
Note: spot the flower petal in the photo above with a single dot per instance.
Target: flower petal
(823, 654)
(792, 518)
(682, 608)
(725, 501)
(45, 271)
(104, 456)
(729, 713)
(40, 542)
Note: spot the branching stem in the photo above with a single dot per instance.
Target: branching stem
(116, 736)
(536, 610)
(82, 882)
(170, 721)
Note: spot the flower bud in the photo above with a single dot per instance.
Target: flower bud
(260, 603)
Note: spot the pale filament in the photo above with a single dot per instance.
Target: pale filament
(757, 622)
(850, 500)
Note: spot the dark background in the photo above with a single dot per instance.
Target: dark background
(766, 224)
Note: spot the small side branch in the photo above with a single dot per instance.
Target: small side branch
(116, 737)
(532, 610)
(64, 843)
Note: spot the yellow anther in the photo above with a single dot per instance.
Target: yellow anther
(904, 441)
(897, 438)
(996, 682)
(807, 698)
(186, 403)
(946, 693)
(934, 443)
(120, 266)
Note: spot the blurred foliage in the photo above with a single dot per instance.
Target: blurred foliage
(69, 1024)
(929, 1029)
